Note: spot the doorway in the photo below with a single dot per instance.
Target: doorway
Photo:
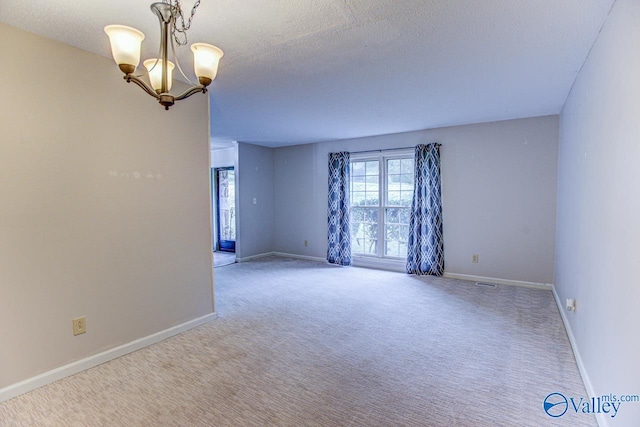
(225, 179)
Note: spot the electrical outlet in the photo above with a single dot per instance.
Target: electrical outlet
(571, 304)
(474, 258)
(79, 325)
(306, 243)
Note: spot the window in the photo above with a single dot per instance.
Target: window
(381, 195)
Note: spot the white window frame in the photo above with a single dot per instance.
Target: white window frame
(380, 260)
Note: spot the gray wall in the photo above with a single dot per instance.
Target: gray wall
(223, 157)
(499, 195)
(301, 203)
(598, 257)
(101, 214)
(254, 178)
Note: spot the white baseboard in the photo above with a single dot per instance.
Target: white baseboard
(296, 256)
(600, 418)
(508, 282)
(399, 266)
(252, 257)
(97, 359)
(281, 254)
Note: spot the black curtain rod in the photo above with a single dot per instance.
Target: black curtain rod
(386, 149)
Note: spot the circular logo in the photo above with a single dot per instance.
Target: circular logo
(555, 405)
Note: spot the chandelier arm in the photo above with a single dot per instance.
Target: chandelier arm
(158, 56)
(165, 34)
(131, 78)
(175, 58)
(192, 90)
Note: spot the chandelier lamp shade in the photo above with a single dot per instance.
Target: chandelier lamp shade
(125, 48)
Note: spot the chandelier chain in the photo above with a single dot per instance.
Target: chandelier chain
(180, 32)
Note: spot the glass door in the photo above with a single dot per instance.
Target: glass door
(226, 218)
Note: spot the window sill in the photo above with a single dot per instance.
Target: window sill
(398, 265)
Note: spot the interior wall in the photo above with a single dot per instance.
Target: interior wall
(223, 157)
(104, 207)
(597, 260)
(255, 201)
(499, 195)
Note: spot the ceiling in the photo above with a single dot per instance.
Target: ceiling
(298, 71)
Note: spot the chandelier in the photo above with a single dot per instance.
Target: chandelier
(125, 48)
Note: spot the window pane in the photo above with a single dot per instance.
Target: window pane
(391, 248)
(394, 248)
(406, 183)
(372, 168)
(364, 230)
(357, 168)
(355, 229)
(364, 246)
(357, 240)
(371, 215)
(357, 216)
(406, 197)
(370, 247)
(404, 233)
(393, 198)
(357, 183)
(393, 232)
(393, 166)
(357, 198)
(404, 215)
(392, 215)
(372, 180)
(393, 182)
(359, 179)
(371, 199)
(365, 183)
(372, 184)
(402, 250)
(407, 166)
(399, 181)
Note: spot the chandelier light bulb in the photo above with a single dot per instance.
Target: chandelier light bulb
(154, 68)
(125, 46)
(205, 62)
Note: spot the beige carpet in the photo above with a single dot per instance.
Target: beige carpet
(299, 343)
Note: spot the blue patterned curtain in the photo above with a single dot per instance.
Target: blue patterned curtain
(339, 249)
(425, 252)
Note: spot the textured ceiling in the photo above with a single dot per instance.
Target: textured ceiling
(298, 71)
